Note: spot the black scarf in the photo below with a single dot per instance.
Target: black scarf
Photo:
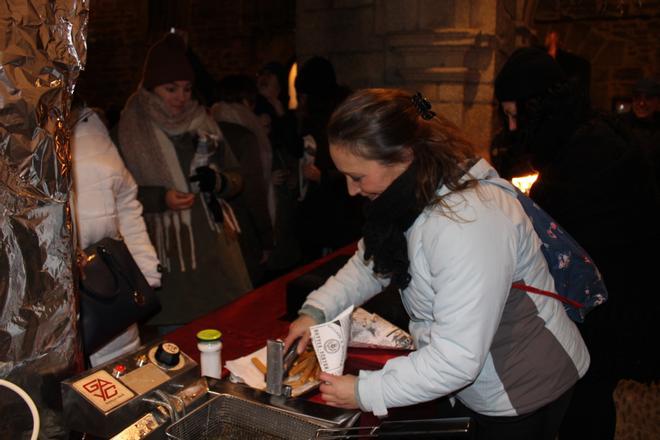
(386, 219)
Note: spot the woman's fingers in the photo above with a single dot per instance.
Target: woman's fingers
(304, 341)
(177, 200)
(338, 390)
(327, 377)
(292, 336)
(299, 329)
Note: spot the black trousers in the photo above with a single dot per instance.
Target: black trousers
(542, 424)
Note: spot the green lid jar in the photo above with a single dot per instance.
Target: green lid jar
(208, 335)
(210, 348)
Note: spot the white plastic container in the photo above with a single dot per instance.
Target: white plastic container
(201, 158)
(210, 352)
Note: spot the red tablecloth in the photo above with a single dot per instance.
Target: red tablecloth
(248, 322)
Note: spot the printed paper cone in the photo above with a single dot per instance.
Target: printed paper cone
(330, 341)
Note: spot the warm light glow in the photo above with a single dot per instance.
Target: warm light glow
(524, 183)
(293, 99)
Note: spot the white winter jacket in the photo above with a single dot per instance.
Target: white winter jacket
(106, 205)
(501, 351)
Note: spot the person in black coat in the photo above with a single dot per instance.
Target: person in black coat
(595, 181)
(272, 104)
(329, 217)
(644, 120)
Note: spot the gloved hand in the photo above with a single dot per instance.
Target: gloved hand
(209, 180)
(214, 207)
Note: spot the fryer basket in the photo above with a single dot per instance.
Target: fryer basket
(227, 417)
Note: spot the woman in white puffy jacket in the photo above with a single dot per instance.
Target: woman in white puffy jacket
(451, 235)
(106, 205)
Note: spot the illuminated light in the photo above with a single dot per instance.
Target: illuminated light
(293, 98)
(524, 183)
(118, 370)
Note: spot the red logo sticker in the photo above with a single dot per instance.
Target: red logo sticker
(101, 388)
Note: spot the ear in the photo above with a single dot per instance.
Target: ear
(408, 155)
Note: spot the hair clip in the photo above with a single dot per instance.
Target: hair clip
(423, 106)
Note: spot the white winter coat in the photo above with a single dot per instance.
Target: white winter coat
(106, 205)
(501, 351)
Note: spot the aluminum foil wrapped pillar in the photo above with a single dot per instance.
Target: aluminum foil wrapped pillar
(42, 50)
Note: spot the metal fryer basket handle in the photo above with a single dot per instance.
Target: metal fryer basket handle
(458, 427)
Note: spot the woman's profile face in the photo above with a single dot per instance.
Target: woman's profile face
(176, 95)
(268, 85)
(510, 109)
(366, 177)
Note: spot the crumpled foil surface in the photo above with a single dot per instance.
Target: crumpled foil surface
(42, 50)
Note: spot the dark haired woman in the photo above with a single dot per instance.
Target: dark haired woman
(168, 141)
(272, 104)
(453, 242)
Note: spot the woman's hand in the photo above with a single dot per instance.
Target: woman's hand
(339, 391)
(311, 172)
(177, 200)
(299, 329)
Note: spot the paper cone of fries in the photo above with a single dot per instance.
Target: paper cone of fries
(330, 341)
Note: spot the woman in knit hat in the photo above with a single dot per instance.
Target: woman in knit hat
(185, 171)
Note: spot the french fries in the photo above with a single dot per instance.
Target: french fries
(301, 362)
(260, 365)
(304, 370)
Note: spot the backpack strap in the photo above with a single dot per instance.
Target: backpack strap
(561, 298)
(578, 283)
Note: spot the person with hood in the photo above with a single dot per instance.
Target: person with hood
(185, 172)
(443, 228)
(644, 120)
(594, 180)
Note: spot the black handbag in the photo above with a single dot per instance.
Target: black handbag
(114, 293)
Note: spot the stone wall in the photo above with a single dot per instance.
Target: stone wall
(447, 49)
(451, 50)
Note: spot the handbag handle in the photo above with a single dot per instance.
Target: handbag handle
(110, 260)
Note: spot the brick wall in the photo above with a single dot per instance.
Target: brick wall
(229, 36)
